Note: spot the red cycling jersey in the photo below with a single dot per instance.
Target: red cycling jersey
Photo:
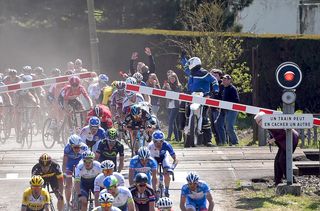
(105, 115)
(71, 94)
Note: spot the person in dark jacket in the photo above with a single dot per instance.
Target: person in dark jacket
(278, 136)
(142, 67)
(227, 118)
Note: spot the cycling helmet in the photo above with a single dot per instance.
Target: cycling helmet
(141, 178)
(120, 85)
(103, 78)
(55, 72)
(138, 76)
(74, 81)
(107, 164)
(88, 155)
(12, 72)
(110, 181)
(78, 62)
(135, 110)
(45, 160)
(164, 203)
(105, 197)
(27, 69)
(193, 62)
(38, 70)
(157, 135)
(192, 177)
(75, 140)
(97, 111)
(94, 121)
(131, 80)
(2, 84)
(36, 180)
(112, 133)
(143, 153)
(26, 78)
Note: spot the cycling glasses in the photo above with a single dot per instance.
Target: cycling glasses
(142, 185)
(111, 187)
(76, 147)
(108, 204)
(35, 187)
(107, 170)
(88, 161)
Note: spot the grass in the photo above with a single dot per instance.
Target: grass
(268, 200)
(150, 31)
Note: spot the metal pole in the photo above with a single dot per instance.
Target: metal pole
(289, 109)
(93, 37)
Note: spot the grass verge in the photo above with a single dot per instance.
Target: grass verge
(268, 200)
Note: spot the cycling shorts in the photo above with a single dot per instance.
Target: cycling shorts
(194, 206)
(165, 162)
(86, 185)
(71, 164)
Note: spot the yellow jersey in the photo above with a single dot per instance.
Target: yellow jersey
(33, 203)
(107, 92)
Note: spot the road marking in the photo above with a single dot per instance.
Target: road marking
(12, 176)
(219, 152)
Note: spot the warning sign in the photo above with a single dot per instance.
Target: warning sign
(287, 121)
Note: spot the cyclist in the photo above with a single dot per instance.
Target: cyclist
(158, 149)
(195, 194)
(95, 89)
(122, 195)
(35, 197)
(109, 148)
(164, 204)
(51, 172)
(70, 95)
(85, 173)
(104, 115)
(139, 118)
(72, 155)
(143, 163)
(106, 201)
(107, 167)
(200, 80)
(116, 100)
(52, 97)
(142, 193)
(93, 134)
(139, 77)
(131, 97)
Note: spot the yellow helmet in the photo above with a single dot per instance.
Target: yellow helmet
(36, 180)
(45, 160)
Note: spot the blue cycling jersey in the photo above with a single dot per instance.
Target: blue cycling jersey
(74, 158)
(196, 198)
(139, 168)
(200, 79)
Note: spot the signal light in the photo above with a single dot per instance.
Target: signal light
(289, 76)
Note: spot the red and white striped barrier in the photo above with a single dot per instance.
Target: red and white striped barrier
(44, 82)
(203, 101)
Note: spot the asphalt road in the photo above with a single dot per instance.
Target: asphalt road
(221, 167)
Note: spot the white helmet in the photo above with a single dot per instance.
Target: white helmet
(75, 140)
(27, 78)
(138, 76)
(107, 164)
(103, 78)
(164, 203)
(131, 80)
(105, 197)
(193, 62)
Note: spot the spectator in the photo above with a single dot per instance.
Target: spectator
(142, 67)
(216, 111)
(173, 84)
(278, 136)
(228, 117)
(153, 82)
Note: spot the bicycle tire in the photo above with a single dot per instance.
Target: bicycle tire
(29, 135)
(2, 133)
(46, 140)
(63, 140)
(7, 127)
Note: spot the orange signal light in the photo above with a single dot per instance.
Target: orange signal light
(289, 76)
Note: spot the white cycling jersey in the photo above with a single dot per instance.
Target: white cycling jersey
(94, 91)
(124, 196)
(113, 208)
(98, 182)
(82, 172)
(127, 101)
(155, 153)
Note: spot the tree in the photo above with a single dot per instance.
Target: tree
(214, 49)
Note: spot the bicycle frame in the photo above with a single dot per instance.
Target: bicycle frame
(47, 185)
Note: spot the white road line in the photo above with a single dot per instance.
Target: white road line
(219, 152)
(12, 176)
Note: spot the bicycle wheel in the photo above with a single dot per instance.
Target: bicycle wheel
(7, 123)
(2, 133)
(48, 134)
(29, 133)
(64, 134)
(132, 144)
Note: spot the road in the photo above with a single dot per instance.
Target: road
(221, 167)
